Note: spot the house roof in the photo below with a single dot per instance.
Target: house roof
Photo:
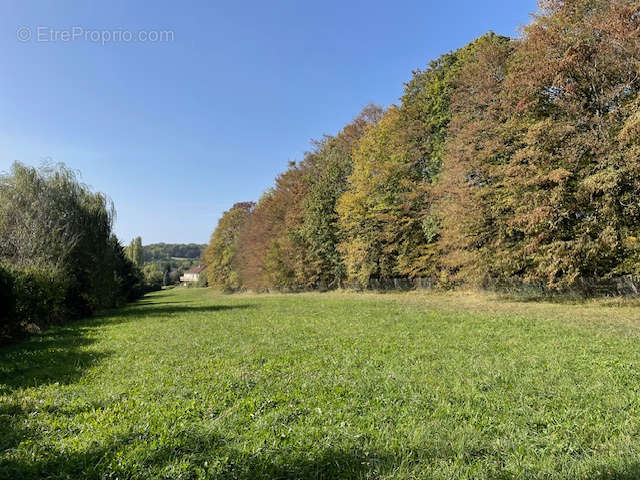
(196, 269)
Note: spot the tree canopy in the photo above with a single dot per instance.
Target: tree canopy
(506, 162)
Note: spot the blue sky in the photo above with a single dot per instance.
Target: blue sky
(177, 130)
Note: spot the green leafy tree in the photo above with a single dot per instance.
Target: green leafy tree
(172, 251)
(135, 251)
(153, 277)
(426, 112)
(220, 254)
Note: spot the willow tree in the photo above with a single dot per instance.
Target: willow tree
(56, 236)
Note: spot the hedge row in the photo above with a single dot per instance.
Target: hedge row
(33, 299)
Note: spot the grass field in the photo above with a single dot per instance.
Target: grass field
(188, 383)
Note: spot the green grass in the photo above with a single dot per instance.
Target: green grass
(189, 383)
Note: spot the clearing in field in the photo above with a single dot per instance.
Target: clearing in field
(188, 383)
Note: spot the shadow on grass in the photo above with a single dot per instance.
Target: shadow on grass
(167, 309)
(194, 455)
(58, 356)
(146, 302)
(627, 471)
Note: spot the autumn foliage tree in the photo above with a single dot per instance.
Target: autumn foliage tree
(267, 257)
(290, 240)
(389, 224)
(468, 203)
(220, 254)
(507, 162)
(327, 177)
(380, 211)
(575, 180)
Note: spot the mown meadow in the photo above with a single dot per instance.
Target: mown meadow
(189, 383)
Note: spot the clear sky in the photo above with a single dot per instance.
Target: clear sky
(178, 109)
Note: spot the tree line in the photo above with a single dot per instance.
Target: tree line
(509, 162)
(59, 257)
(162, 264)
(168, 251)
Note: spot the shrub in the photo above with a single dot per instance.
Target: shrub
(33, 299)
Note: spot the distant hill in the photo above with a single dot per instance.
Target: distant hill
(168, 251)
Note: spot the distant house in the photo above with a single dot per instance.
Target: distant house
(192, 275)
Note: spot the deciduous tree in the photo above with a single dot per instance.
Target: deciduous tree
(220, 254)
